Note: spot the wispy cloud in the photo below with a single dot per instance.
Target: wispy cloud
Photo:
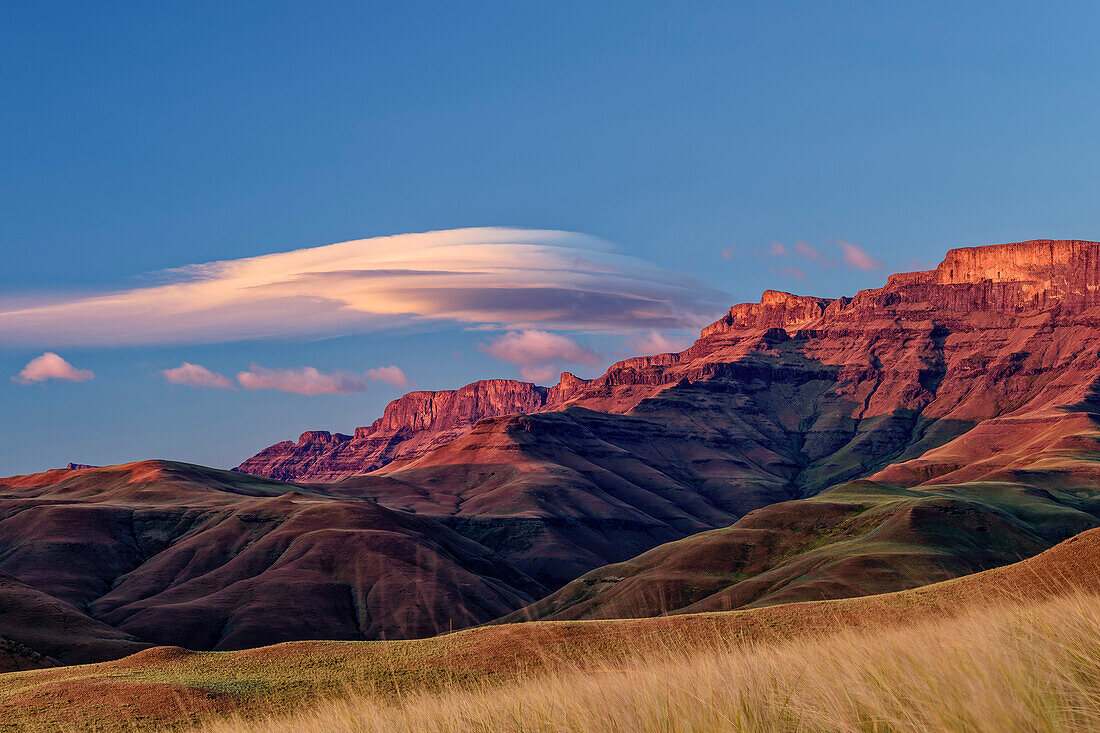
(304, 380)
(391, 375)
(656, 342)
(812, 253)
(790, 271)
(497, 277)
(850, 255)
(858, 257)
(196, 375)
(51, 366)
(539, 354)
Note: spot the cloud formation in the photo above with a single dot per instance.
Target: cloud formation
(391, 375)
(851, 255)
(196, 375)
(495, 277)
(812, 253)
(788, 271)
(656, 342)
(51, 366)
(858, 257)
(304, 380)
(539, 354)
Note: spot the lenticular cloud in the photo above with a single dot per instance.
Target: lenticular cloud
(492, 277)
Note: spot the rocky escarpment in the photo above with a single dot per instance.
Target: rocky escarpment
(778, 400)
(965, 342)
(1009, 279)
(410, 425)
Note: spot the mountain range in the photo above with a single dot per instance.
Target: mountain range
(802, 448)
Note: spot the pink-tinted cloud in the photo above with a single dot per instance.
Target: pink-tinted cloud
(304, 380)
(196, 375)
(51, 366)
(496, 277)
(539, 354)
(789, 271)
(777, 249)
(656, 342)
(857, 257)
(391, 375)
(729, 251)
(807, 250)
(812, 253)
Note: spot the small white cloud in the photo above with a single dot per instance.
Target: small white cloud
(51, 366)
(857, 257)
(304, 380)
(656, 342)
(196, 375)
(538, 354)
(391, 375)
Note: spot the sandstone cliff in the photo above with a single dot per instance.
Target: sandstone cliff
(956, 342)
(411, 424)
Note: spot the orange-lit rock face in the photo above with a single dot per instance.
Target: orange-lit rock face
(992, 330)
(410, 424)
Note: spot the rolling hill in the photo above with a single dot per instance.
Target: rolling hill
(802, 448)
(171, 553)
(176, 688)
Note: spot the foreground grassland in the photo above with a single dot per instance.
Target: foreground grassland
(1013, 648)
(1009, 668)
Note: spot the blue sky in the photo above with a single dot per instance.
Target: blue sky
(141, 137)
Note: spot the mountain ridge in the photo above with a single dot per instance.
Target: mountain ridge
(1003, 281)
(672, 482)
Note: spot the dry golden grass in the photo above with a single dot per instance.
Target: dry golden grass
(1009, 667)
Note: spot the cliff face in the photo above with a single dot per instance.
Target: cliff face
(1009, 279)
(966, 341)
(411, 424)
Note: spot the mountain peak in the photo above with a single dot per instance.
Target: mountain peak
(973, 289)
(1034, 260)
(1018, 278)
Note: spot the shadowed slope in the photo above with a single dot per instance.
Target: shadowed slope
(1034, 485)
(281, 678)
(778, 400)
(179, 554)
(41, 631)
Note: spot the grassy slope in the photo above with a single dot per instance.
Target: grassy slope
(1003, 668)
(858, 539)
(174, 687)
